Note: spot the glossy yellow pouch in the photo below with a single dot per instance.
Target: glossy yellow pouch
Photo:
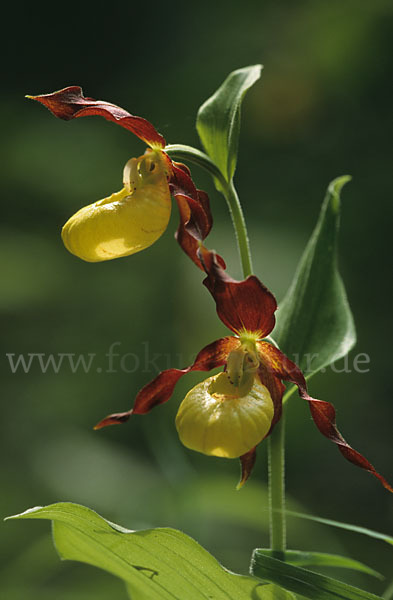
(127, 221)
(215, 420)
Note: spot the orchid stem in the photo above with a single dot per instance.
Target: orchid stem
(276, 451)
(276, 461)
(240, 227)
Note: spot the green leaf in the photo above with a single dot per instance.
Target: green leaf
(266, 591)
(388, 594)
(314, 322)
(302, 558)
(155, 564)
(356, 528)
(300, 581)
(218, 119)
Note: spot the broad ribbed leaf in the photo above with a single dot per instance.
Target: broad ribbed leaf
(265, 591)
(302, 558)
(306, 583)
(218, 119)
(314, 322)
(155, 564)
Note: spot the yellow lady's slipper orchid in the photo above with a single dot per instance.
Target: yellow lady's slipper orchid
(229, 414)
(126, 222)
(135, 217)
(215, 420)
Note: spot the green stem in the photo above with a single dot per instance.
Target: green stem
(276, 439)
(228, 190)
(276, 458)
(240, 227)
(291, 390)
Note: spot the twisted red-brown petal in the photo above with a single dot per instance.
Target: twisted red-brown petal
(323, 413)
(160, 389)
(246, 304)
(194, 209)
(247, 462)
(70, 103)
(276, 389)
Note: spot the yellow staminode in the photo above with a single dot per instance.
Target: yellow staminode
(215, 420)
(126, 222)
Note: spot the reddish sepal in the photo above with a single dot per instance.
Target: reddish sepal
(241, 305)
(70, 103)
(324, 416)
(323, 413)
(276, 389)
(247, 462)
(160, 389)
(115, 419)
(194, 209)
(215, 354)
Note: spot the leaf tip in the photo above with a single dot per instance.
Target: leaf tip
(23, 514)
(253, 71)
(334, 190)
(257, 68)
(338, 183)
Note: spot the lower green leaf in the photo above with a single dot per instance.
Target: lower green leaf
(388, 594)
(155, 564)
(321, 559)
(306, 583)
(266, 591)
(356, 528)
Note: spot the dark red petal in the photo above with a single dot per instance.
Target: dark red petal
(160, 389)
(188, 235)
(70, 103)
(194, 209)
(181, 181)
(247, 462)
(276, 389)
(246, 304)
(114, 419)
(215, 354)
(323, 413)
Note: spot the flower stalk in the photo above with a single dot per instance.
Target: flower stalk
(276, 461)
(240, 227)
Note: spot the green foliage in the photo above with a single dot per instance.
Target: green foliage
(321, 559)
(314, 321)
(301, 581)
(388, 594)
(363, 530)
(218, 119)
(155, 564)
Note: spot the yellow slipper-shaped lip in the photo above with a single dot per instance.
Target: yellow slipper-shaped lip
(127, 221)
(213, 421)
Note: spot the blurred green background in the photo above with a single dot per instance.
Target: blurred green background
(322, 109)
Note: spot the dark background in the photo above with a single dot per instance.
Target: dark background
(321, 109)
